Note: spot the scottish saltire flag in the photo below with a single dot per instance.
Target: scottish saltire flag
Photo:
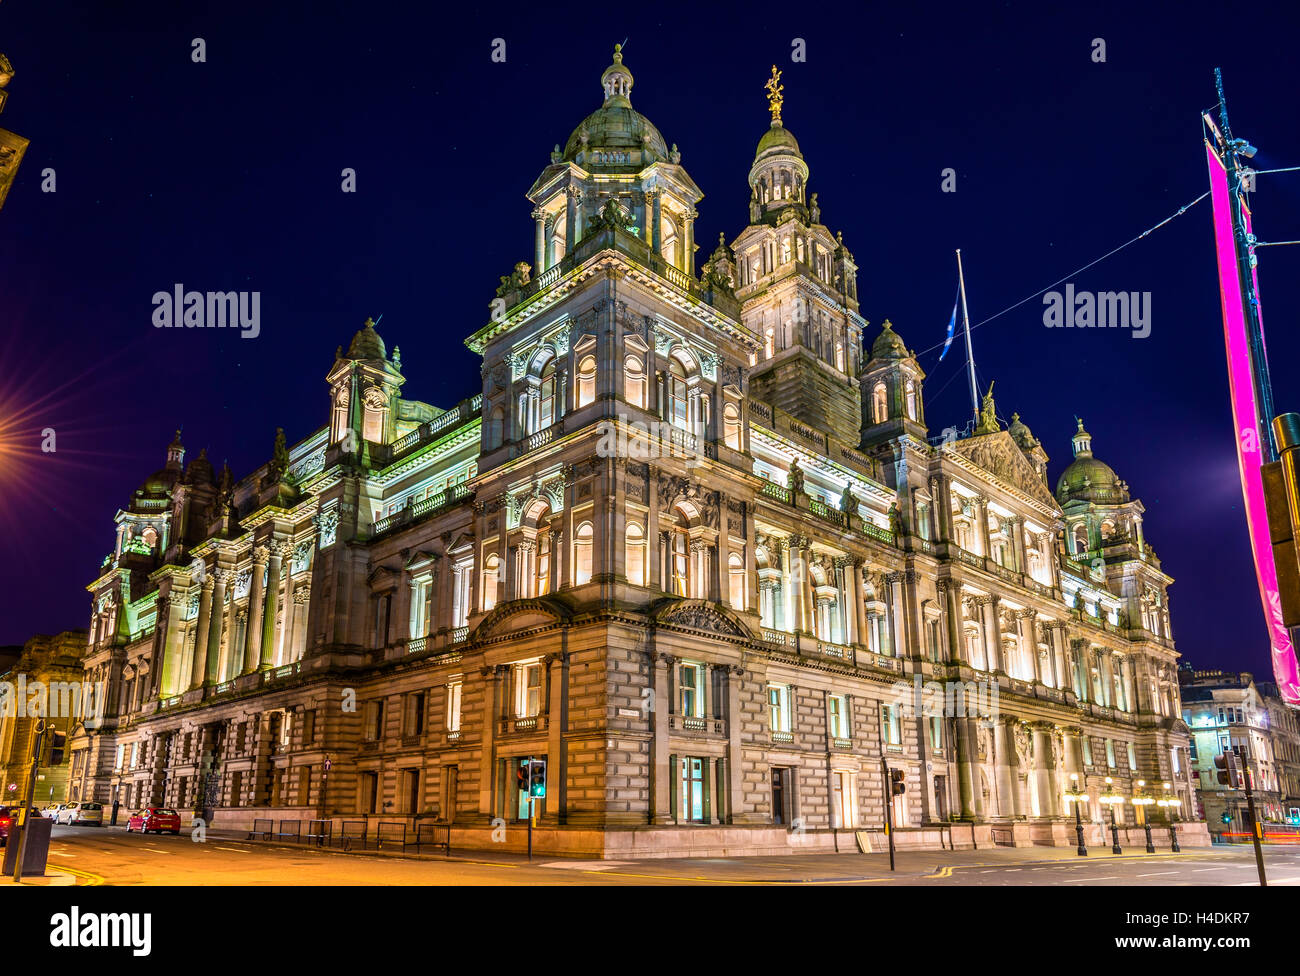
(952, 329)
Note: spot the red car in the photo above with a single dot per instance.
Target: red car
(157, 819)
(6, 820)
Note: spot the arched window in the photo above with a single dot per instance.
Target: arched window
(376, 416)
(879, 403)
(679, 557)
(634, 541)
(668, 236)
(1080, 539)
(546, 414)
(494, 431)
(545, 569)
(731, 426)
(582, 554)
(586, 380)
(736, 580)
(678, 403)
(634, 385)
(491, 573)
(910, 399)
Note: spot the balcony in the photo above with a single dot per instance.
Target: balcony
(522, 725)
(419, 510)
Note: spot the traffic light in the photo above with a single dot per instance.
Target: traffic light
(58, 741)
(522, 782)
(897, 785)
(1226, 770)
(537, 781)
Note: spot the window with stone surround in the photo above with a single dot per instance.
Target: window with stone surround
(527, 679)
(778, 708)
(453, 706)
(891, 726)
(690, 689)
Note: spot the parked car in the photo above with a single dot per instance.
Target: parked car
(87, 812)
(156, 819)
(6, 819)
(51, 810)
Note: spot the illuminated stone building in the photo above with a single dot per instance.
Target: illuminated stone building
(44, 682)
(1229, 711)
(688, 543)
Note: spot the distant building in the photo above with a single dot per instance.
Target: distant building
(1227, 710)
(45, 681)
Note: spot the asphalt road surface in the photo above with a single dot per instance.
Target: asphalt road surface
(110, 856)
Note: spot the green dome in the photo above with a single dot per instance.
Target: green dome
(616, 127)
(889, 344)
(1088, 478)
(366, 344)
(778, 139)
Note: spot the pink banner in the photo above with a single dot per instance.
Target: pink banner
(1244, 413)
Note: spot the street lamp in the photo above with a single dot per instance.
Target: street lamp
(1142, 801)
(1171, 803)
(1112, 799)
(1076, 796)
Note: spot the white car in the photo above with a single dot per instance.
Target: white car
(89, 813)
(51, 811)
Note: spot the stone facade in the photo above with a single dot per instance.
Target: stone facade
(705, 596)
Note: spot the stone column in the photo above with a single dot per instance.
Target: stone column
(1005, 767)
(982, 510)
(201, 633)
(573, 200)
(272, 597)
(661, 804)
(253, 633)
(213, 649)
(539, 248)
(1044, 772)
(688, 238)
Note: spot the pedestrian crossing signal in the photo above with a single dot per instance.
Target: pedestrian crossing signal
(537, 778)
(897, 786)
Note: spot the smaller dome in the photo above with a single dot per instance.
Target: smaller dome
(366, 344)
(777, 139)
(1088, 478)
(889, 344)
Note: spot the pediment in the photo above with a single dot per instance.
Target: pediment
(519, 615)
(701, 615)
(999, 455)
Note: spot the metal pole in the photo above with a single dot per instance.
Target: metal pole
(889, 810)
(970, 355)
(1078, 828)
(25, 812)
(1250, 300)
(1255, 829)
(1114, 833)
(530, 828)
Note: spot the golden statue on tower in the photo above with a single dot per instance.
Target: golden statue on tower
(774, 96)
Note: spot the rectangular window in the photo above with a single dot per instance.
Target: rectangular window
(421, 605)
(374, 721)
(453, 706)
(936, 733)
(1087, 750)
(837, 710)
(413, 719)
(891, 727)
(690, 678)
(1132, 757)
(778, 707)
(308, 727)
(528, 689)
(1110, 753)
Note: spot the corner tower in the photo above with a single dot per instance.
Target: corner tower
(798, 287)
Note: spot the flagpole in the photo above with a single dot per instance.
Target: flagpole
(970, 355)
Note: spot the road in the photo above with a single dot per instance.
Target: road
(110, 856)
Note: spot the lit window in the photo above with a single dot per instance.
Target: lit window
(528, 689)
(731, 426)
(677, 397)
(778, 707)
(837, 715)
(582, 554)
(891, 727)
(491, 573)
(453, 706)
(636, 561)
(736, 578)
(586, 380)
(690, 683)
(634, 381)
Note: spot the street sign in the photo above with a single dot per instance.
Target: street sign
(13, 787)
(327, 765)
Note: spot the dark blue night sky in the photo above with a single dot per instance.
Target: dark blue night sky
(226, 175)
